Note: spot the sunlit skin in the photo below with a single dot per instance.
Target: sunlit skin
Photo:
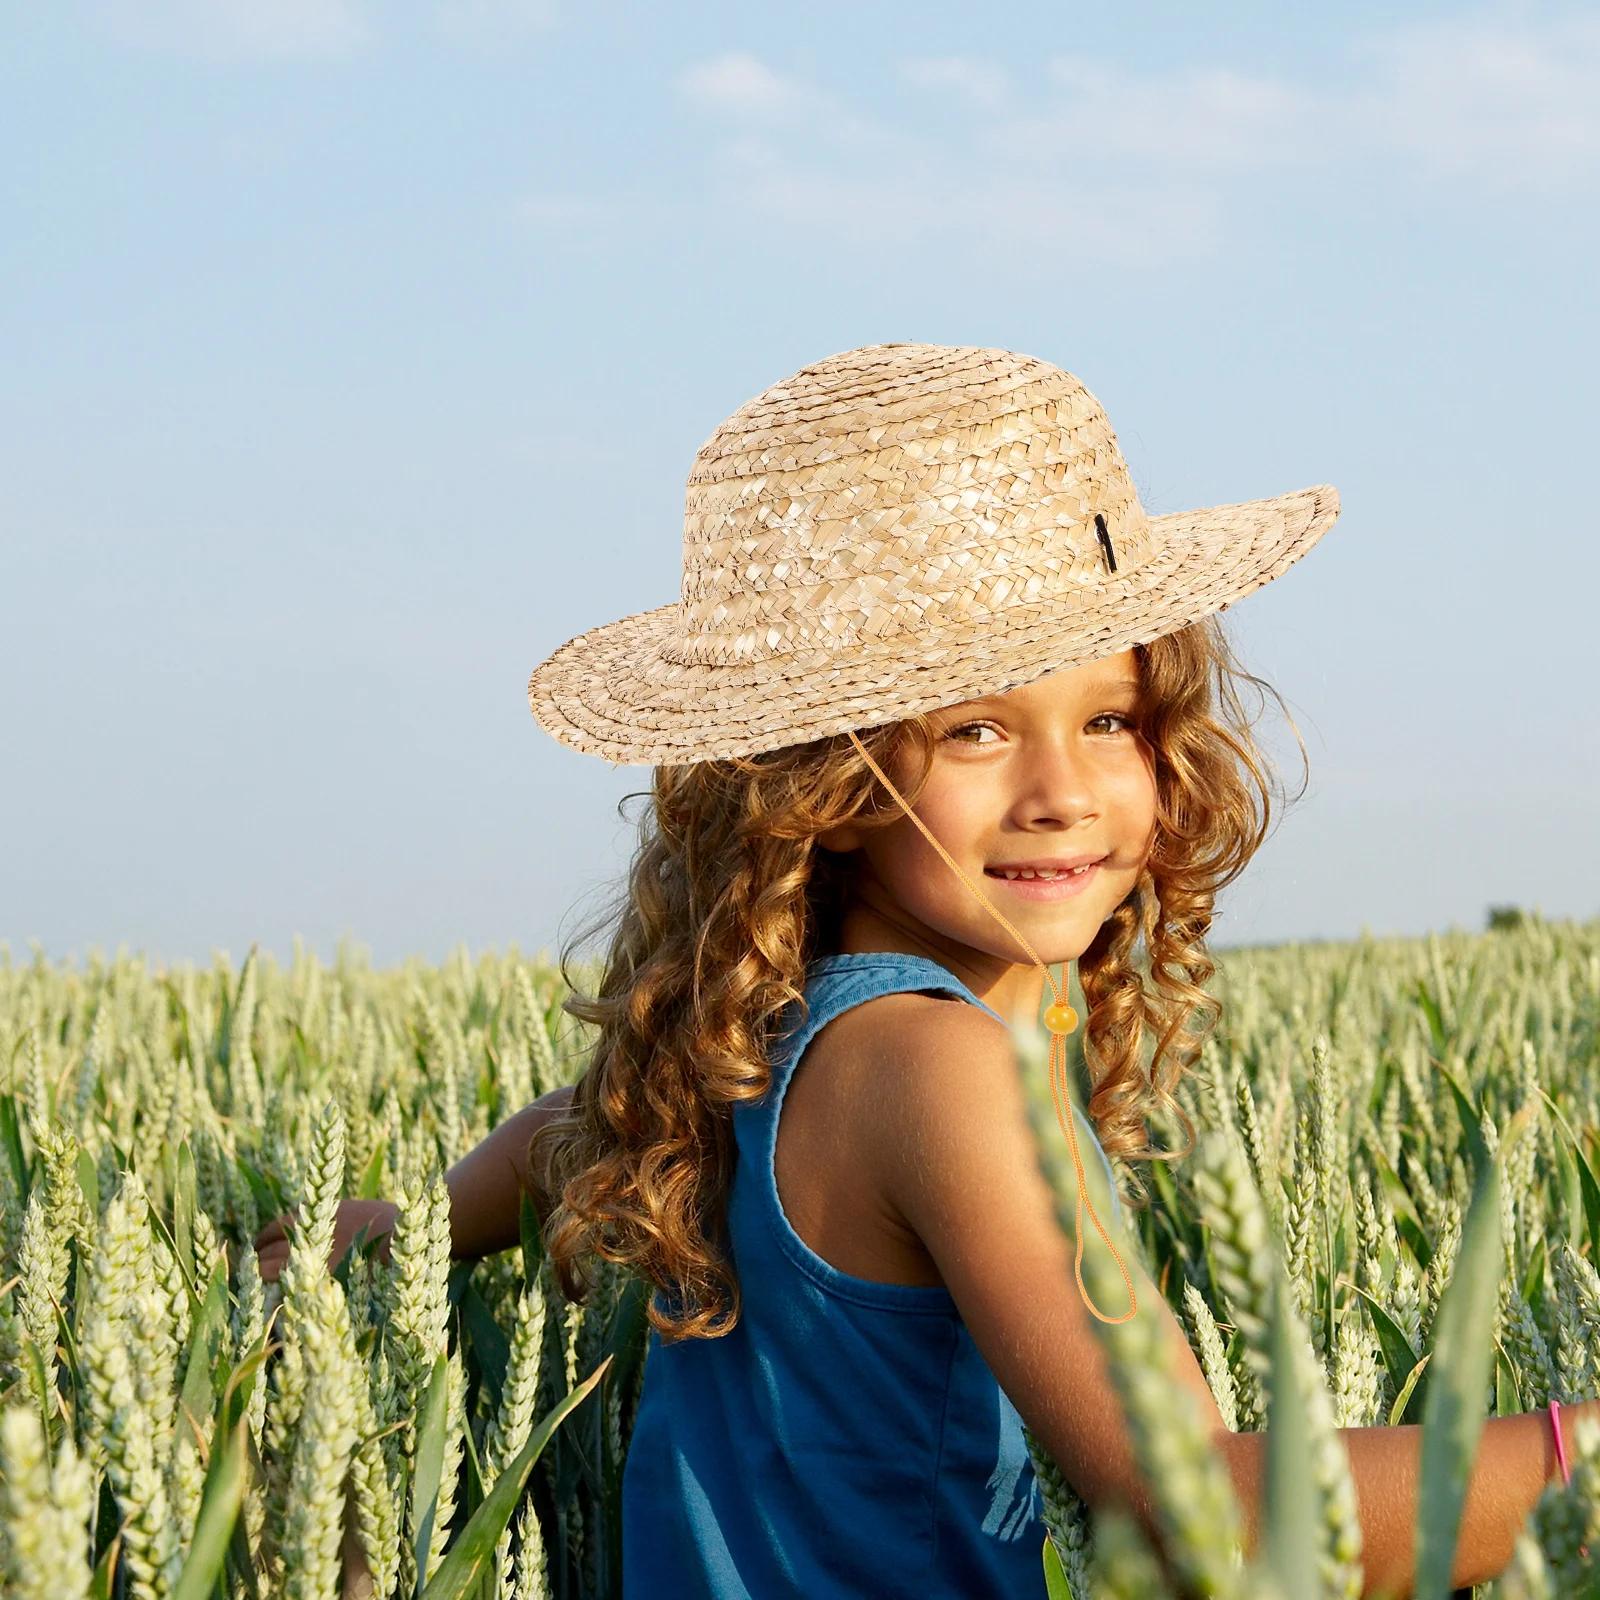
(904, 1151)
(1052, 775)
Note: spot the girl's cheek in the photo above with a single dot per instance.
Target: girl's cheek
(1132, 789)
(924, 884)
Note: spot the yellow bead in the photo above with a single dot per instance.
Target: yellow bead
(1060, 1018)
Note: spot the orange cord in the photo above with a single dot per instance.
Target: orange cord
(1060, 1092)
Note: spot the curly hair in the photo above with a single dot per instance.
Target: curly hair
(729, 898)
(1215, 792)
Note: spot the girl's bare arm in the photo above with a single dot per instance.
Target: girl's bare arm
(486, 1187)
(1516, 1459)
(487, 1184)
(948, 1123)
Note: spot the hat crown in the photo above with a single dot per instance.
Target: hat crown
(894, 487)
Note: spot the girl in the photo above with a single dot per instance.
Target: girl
(914, 576)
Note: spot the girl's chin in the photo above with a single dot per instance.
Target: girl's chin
(1053, 945)
(1057, 931)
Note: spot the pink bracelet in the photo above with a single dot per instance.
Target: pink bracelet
(1561, 1449)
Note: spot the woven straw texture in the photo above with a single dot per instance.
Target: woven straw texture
(896, 529)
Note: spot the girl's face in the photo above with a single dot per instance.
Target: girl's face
(1046, 797)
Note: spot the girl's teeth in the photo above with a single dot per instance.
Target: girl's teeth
(1046, 873)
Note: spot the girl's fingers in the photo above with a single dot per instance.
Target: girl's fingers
(377, 1217)
(275, 1233)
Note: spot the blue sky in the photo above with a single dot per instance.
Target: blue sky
(355, 355)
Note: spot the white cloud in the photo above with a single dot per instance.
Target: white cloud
(1518, 109)
(1017, 184)
(976, 82)
(740, 84)
(478, 19)
(1153, 165)
(1188, 122)
(1466, 103)
(240, 28)
(288, 29)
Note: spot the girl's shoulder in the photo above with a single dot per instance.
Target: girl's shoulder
(917, 1056)
(917, 1024)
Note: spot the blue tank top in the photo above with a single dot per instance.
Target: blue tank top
(846, 1438)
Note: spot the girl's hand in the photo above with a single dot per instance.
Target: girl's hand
(376, 1216)
(486, 1188)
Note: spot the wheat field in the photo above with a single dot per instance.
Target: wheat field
(1399, 1142)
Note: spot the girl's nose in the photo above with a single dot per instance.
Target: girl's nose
(1057, 789)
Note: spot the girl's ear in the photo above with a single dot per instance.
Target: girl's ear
(843, 839)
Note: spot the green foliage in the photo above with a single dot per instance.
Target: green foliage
(1402, 1135)
(171, 1428)
(1457, 1396)
(182, 1428)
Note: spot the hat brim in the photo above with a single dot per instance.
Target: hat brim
(613, 692)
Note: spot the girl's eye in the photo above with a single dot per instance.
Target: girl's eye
(976, 733)
(1113, 722)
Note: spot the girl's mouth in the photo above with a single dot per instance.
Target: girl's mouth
(1047, 880)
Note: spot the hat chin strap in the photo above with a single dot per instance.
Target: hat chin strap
(1059, 1018)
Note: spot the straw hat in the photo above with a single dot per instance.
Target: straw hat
(895, 529)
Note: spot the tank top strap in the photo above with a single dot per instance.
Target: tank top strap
(836, 984)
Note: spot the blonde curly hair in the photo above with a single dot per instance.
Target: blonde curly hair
(729, 898)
